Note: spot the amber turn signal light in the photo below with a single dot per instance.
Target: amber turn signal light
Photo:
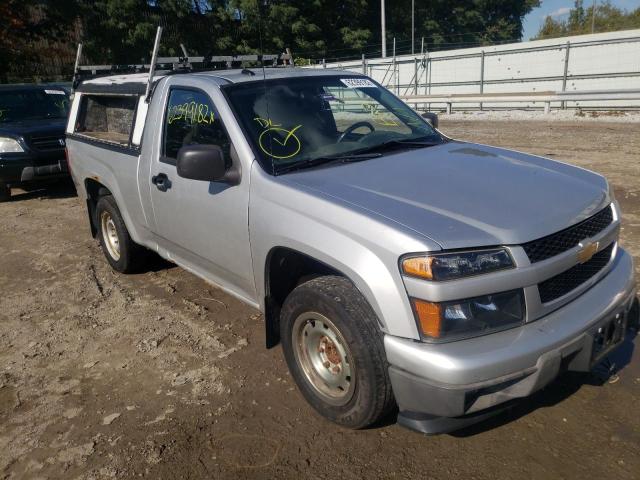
(418, 267)
(430, 317)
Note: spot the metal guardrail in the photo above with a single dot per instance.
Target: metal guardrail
(525, 97)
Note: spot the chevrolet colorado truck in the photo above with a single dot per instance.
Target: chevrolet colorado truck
(394, 265)
(32, 124)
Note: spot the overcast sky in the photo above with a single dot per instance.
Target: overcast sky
(560, 9)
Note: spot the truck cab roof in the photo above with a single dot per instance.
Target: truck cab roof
(135, 83)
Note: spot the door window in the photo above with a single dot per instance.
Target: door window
(191, 119)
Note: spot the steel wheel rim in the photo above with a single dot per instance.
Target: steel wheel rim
(324, 357)
(110, 235)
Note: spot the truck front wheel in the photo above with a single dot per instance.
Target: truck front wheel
(123, 254)
(335, 353)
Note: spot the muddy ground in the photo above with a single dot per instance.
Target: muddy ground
(160, 375)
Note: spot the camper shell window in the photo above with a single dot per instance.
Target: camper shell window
(107, 118)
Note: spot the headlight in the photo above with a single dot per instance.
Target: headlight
(471, 317)
(9, 145)
(449, 266)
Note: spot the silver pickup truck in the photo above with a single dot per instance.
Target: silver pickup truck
(396, 266)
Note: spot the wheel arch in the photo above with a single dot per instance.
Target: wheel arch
(285, 268)
(94, 190)
(96, 187)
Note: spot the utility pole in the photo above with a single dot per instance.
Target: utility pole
(413, 26)
(593, 17)
(383, 24)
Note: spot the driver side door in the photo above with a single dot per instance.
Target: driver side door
(202, 225)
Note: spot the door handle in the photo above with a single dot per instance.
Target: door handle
(161, 181)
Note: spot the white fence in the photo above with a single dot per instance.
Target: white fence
(605, 62)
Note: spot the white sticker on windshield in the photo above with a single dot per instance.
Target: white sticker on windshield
(55, 92)
(358, 83)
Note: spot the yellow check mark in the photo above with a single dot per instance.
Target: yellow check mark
(286, 139)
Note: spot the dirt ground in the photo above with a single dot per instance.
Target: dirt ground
(160, 375)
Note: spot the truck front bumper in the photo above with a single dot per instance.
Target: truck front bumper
(443, 387)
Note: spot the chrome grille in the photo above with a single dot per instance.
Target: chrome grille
(47, 143)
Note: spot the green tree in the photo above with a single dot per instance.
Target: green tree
(576, 15)
(29, 29)
(309, 27)
(122, 31)
(43, 32)
(459, 23)
(607, 19)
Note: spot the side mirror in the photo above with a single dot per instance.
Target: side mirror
(206, 163)
(432, 118)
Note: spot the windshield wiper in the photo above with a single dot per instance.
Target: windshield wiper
(404, 142)
(360, 154)
(411, 142)
(314, 162)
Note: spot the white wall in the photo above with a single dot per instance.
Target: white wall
(596, 62)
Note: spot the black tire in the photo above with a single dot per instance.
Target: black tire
(370, 397)
(5, 192)
(131, 254)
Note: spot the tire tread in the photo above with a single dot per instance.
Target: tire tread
(341, 290)
(131, 254)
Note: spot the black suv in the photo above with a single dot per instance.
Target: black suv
(32, 124)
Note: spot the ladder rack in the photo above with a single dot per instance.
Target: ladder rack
(175, 64)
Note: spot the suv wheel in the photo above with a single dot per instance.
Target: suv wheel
(334, 349)
(5, 192)
(122, 253)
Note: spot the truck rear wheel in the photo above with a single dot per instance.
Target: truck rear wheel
(5, 192)
(123, 254)
(335, 353)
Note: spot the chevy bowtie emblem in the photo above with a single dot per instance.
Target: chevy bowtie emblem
(587, 251)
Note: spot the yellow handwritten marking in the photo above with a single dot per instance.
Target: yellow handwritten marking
(386, 123)
(289, 137)
(275, 129)
(286, 139)
(410, 120)
(191, 112)
(378, 115)
(266, 122)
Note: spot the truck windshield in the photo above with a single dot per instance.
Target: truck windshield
(298, 121)
(33, 104)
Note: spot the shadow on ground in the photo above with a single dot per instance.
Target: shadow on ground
(564, 387)
(58, 189)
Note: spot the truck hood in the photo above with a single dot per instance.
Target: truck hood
(463, 195)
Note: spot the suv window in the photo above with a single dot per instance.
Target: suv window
(107, 118)
(190, 119)
(33, 104)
